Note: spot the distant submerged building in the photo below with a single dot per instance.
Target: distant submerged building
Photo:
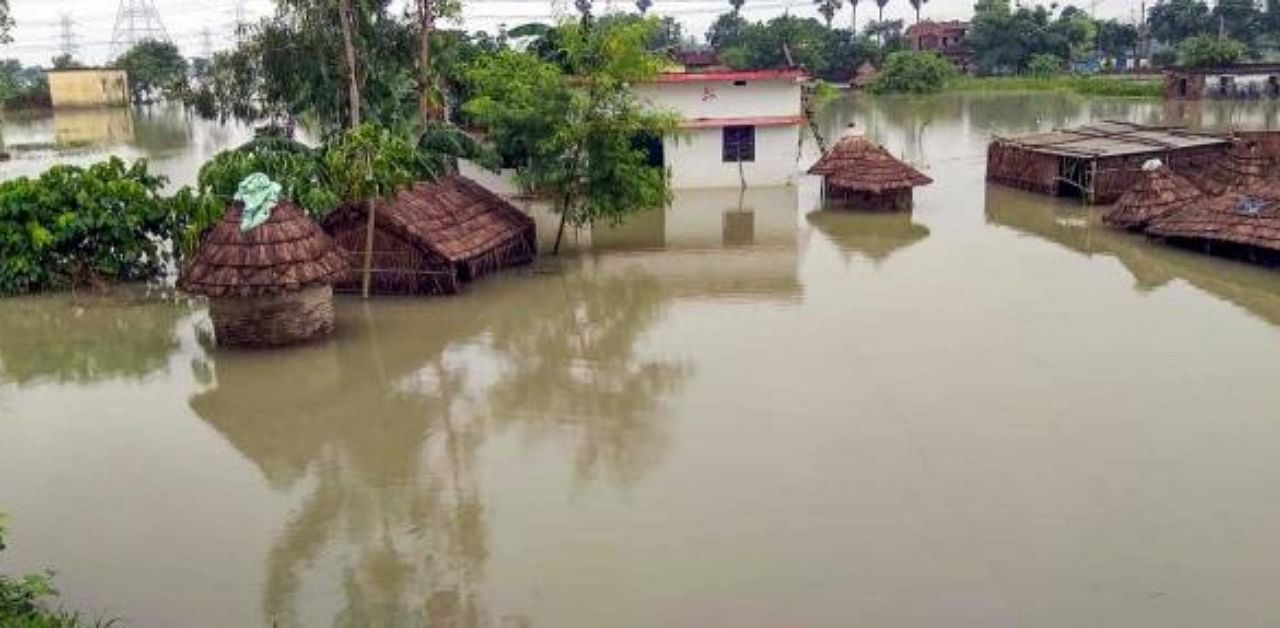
(1241, 81)
(948, 39)
(88, 87)
(736, 127)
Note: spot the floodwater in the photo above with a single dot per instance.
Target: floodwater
(738, 412)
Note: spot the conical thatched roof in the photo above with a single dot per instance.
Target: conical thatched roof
(1243, 219)
(863, 76)
(856, 163)
(1245, 166)
(1158, 193)
(287, 253)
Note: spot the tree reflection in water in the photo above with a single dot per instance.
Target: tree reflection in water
(68, 338)
(572, 367)
(381, 429)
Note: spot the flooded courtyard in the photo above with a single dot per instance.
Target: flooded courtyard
(743, 410)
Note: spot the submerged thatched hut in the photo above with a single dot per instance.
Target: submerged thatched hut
(863, 76)
(866, 176)
(435, 236)
(1243, 225)
(1158, 193)
(270, 285)
(1245, 166)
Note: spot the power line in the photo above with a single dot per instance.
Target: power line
(136, 21)
(67, 36)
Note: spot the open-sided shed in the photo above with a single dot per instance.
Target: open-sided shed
(1097, 161)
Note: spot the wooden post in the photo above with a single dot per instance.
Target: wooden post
(368, 250)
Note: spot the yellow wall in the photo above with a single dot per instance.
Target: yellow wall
(89, 88)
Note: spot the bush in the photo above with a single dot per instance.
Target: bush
(1164, 58)
(1207, 51)
(1044, 65)
(22, 601)
(80, 226)
(912, 73)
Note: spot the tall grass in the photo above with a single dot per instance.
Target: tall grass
(1117, 86)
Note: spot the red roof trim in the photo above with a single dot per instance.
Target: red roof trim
(715, 123)
(753, 75)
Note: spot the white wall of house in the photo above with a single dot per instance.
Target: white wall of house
(695, 158)
(724, 99)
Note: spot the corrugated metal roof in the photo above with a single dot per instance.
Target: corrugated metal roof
(1112, 138)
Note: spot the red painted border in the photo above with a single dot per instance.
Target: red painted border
(715, 123)
(753, 75)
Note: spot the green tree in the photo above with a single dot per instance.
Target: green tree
(1116, 39)
(642, 6)
(1044, 65)
(65, 62)
(154, 67)
(1240, 20)
(1209, 51)
(1004, 40)
(726, 31)
(737, 6)
(912, 73)
(574, 140)
(6, 23)
(1175, 20)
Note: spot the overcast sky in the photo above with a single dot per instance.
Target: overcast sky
(38, 35)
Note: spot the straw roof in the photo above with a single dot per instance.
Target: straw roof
(1235, 218)
(453, 216)
(287, 253)
(856, 163)
(1158, 193)
(1245, 166)
(864, 75)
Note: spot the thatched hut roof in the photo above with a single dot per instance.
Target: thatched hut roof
(863, 76)
(1158, 193)
(287, 253)
(453, 217)
(1246, 165)
(1236, 218)
(856, 163)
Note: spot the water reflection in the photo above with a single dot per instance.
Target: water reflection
(92, 127)
(1152, 266)
(873, 236)
(380, 432)
(84, 339)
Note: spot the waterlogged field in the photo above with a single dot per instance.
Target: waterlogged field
(740, 411)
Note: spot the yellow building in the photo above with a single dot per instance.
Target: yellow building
(89, 87)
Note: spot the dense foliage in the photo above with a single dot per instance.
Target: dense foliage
(1174, 21)
(1005, 39)
(1044, 65)
(22, 86)
(76, 226)
(156, 68)
(789, 41)
(1208, 51)
(574, 140)
(913, 73)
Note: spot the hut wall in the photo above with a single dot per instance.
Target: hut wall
(273, 320)
(1183, 86)
(1114, 175)
(398, 266)
(1020, 168)
(1267, 141)
(890, 200)
(515, 252)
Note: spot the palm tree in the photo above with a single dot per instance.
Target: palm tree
(643, 6)
(881, 4)
(853, 17)
(916, 4)
(828, 9)
(737, 5)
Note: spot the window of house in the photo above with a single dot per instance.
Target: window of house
(740, 83)
(739, 144)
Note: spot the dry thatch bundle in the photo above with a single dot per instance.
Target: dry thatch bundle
(1245, 166)
(1237, 224)
(858, 164)
(270, 285)
(1158, 193)
(434, 236)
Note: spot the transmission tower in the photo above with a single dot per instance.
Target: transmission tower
(136, 21)
(67, 36)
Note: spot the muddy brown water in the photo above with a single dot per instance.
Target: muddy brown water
(739, 412)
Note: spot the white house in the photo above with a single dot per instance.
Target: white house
(729, 119)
